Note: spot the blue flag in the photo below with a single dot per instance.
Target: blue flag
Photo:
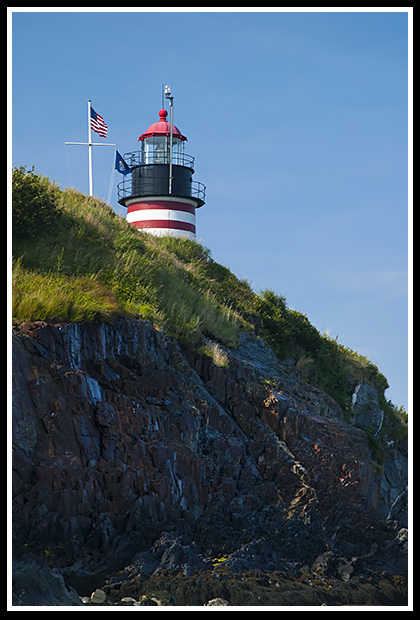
(121, 165)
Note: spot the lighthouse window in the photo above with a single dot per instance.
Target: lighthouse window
(161, 153)
(178, 151)
(156, 150)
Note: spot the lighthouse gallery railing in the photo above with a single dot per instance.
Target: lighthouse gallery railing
(137, 158)
(197, 190)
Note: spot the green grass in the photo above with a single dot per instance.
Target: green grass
(51, 296)
(91, 264)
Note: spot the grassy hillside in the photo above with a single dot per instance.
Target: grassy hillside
(74, 259)
(88, 263)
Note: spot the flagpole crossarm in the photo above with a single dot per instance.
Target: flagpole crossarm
(91, 143)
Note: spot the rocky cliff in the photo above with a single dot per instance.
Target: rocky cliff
(130, 450)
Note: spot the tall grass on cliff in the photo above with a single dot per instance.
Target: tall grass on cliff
(46, 296)
(81, 261)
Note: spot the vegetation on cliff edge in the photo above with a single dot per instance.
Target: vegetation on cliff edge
(74, 259)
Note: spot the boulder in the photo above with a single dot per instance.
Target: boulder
(127, 600)
(146, 601)
(221, 602)
(98, 597)
(366, 409)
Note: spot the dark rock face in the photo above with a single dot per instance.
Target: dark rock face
(121, 437)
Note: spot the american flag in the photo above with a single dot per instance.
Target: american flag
(97, 123)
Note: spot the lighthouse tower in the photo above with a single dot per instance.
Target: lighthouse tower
(160, 194)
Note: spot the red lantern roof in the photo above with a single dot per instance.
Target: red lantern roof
(162, 128)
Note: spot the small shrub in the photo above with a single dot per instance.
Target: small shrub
(304, 364)
(34, 202)
(214, 350)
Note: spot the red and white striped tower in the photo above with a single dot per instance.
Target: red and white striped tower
(161, 196)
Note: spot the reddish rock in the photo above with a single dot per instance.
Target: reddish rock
(119, 435)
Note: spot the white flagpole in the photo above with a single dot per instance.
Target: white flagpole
(90, 151)
(90, 144)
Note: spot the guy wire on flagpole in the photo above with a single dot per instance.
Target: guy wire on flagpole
(111, 182)
(90, 144)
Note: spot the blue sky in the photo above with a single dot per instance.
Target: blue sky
(299, 124)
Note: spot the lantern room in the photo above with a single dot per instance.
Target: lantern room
(156, 142)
